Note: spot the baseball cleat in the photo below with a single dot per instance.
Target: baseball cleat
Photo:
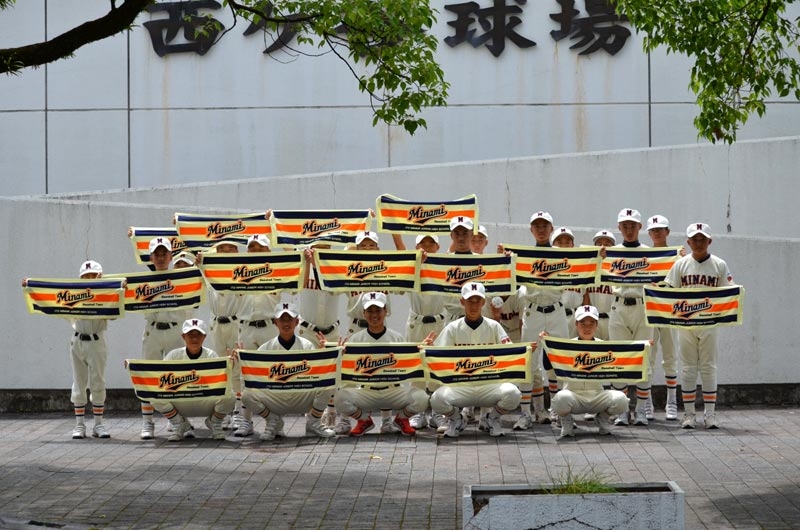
(148, 430)
(524, 422)
(710, 420)
(688, 421)
(672, 411)
(79, 432)
(99, 431)
(362, 426)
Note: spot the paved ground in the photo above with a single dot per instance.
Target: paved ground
(744, 475)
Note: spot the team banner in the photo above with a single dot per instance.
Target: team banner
(85, 299)
(446, 273)
(290, 369)
(601, 361)
(180, 380)
(163, 290)
(347, 270)
(399, 216)
(267, 271)
(203, 231)
(637, 266)
(304, 227)
(556, 267)
(471, 365)
(140, 239)
(682, 308)
(382, 364)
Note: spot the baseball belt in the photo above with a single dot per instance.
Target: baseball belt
(258, 323)
(568, 311)
(603, 315)
(226, 320)
(428, 319)
(317, 329)
(360, 322)
(382, 387)
(546, 308)
(86, 336)
(164, 325)
(628, 301)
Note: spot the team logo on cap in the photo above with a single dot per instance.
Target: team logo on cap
(370, 365)
(544, 268)
(468, 366)
(588, 362)
(313, 228)
(245, 274)
(420, 215)
(459, 276)
(147, 292)
(173, 383)
(219, 230)
(623, 267)
(684, 309)
(360, 271)
(283, 372)
(70, 298)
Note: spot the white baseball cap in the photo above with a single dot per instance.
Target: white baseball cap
(461, 220)
(698, 228)
(366, 235)
(628, 214)
(482, 230)
(657, 221)
(192, 324)
(218, 244)
(90, 267)
(286, 307)
(470, 289)
(261, 239)
(586, 311)
(561, 231)
(542, 215)
(604, 233)
(183, 257)
(160, 242)
(421, 237)
(371, 299)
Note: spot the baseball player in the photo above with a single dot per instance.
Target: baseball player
(273, 404)
(474, 329)
(255, 328)
(479, 240)
(627, 319)
(587, 397)
(562, 237)
(183, 260)
(213, 409)
(664, 338)
(460, 243)
(601, 296)
(698, 345)
(541, 310)
(88, 353)
(161, 331)
(365, 242)
(356, 402)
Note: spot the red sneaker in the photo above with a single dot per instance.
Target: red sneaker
(362, 426)
(405, 426)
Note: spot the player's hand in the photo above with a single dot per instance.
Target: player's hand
(603, 252)
(342, 341)
(321, 338)
(125, 364)
(682, 251)
(428, 341)
(130, 233)
(501, 249)
(534, 345)
(543, 334)
(371, 212)
(24, 282)
(268, 215)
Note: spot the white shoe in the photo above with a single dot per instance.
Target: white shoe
(672, 411)
(79, 431)
(439, 421)
(227, 423)
(524, 422)
(639, 417)
(710, 420)
(603, 423)
(215, 426)
(179, 430)
(388, 426)
(469, 414)
(343, 425)
(689, 421)
(589, 416)
(567, 426)
(541, 417)
(329, 417)
(623, 419)
(648, 409)
(492, 424)
(455, 425)
(273, 428)
(245, 428)
(418, 421)
(314, 427)
(148, 430)
(99, 431)
(554, 417)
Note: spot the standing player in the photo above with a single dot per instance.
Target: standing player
(698, 345)
(273, 404)
(664, 338)
(474, 329)
(601, 296)
(460, 243)
(627, 320)
(357, 402)
(479, 240)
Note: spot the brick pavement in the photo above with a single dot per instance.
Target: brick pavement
(745, 475)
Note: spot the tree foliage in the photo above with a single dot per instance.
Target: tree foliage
(386, 44)
(744, 52)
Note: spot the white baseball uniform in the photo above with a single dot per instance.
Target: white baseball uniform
(447, 399)
(355, 311)
(319, 311)
(88, 353)
(509, 317)
(223, 330)
(162, 332)
(426, 314)
(601, 297)
(255, 319)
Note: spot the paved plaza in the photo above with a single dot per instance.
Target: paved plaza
(745, 475)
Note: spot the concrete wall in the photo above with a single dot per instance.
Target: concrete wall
(116, 115)
(747, 186)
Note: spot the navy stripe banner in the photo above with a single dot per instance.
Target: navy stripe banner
(637, 266)
(484, 364)
(304, 227)
(446, 273)
(400, 216)
(180, 380)
(254, 272)
(73, 298)
(556, 267)
(382, 364)
(293, 370)
(686, 308)
(344, 270)
(157, 291)
(602, 361)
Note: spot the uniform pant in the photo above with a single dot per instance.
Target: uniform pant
(698, 348)
(222, 337)
(285, 401)
(88, 370)
(627, 322)
(533, 323)
(447, 399)
(350, 400)
(612, 402)
(156, 343)
(197, 407)
(416, 330)
(665, 340)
